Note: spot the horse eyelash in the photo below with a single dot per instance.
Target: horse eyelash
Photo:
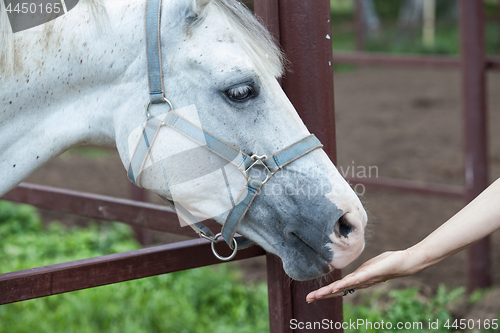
(241, 90)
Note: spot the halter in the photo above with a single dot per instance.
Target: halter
(245, 163)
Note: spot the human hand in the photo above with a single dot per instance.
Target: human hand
(388, 265)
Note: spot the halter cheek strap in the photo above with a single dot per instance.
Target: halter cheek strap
(244, 162)
(153, 50)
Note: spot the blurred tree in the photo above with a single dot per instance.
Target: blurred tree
(370, 17)
(410, 14)
(409, 19)
(447, 9)
(388, 9)
(415, 13)
(429, 23)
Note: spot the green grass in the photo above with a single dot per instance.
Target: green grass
(404, 306)
(209, 299)
(90, 152)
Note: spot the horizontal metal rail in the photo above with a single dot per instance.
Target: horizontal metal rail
(135, 213)
(364, 58)
(493, 63)
(99, 271)
(450, 191)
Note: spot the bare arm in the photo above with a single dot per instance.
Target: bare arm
(475, 221)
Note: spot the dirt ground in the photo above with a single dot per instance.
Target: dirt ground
(403, 123)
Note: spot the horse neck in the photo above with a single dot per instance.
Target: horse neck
(68, 86)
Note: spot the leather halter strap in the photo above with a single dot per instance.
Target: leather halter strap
(244, 162)
(153, 50)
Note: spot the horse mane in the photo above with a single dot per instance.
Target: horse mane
(252, 36)
(6, 39)
(250, 33)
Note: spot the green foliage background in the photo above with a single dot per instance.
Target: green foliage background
(209, 299)
(390, 39)
(405, 306)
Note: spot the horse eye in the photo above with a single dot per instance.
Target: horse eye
(241, 93)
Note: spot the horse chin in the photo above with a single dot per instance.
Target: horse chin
(306, 268)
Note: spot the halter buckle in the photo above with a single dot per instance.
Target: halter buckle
(258, 160)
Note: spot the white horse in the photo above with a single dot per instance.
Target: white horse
(82, 79)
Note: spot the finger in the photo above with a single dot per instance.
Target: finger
(340, 292)
(331, 288)
(327, 290)
(351, 281)
(315, 295)
(337, 293)
(361, 278)
(335, 288)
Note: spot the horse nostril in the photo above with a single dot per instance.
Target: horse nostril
(343, 228)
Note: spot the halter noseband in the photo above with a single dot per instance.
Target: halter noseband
(244, 162)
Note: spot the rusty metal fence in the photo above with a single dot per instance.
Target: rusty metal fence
(301, 27)
(473, 65)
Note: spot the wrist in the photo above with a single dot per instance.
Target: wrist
(414, 260)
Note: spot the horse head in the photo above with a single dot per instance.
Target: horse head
(219, 69)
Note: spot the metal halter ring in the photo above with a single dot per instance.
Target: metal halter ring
(165, 100)
(258, 160)
(213, 240)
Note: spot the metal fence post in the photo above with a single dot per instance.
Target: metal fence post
(304, 34)
(141, 234)
(278, 283)
(472, 20)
